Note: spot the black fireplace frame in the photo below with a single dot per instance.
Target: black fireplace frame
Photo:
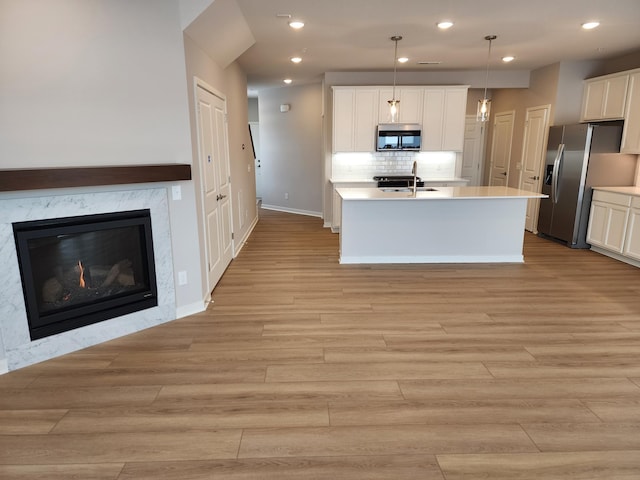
(45, 324)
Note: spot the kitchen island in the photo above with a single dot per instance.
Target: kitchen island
(434, 225)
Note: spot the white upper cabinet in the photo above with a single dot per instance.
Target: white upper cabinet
(343, 119)
(443, 118)
(605, 97)
(355, 112)
(631, 130)
(440, 110)
(365, 120)
(410, 109)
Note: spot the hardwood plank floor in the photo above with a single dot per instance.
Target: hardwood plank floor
(303, 368)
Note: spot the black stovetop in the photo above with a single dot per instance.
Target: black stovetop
(397, 181)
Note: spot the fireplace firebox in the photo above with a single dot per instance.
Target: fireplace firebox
(77, 271)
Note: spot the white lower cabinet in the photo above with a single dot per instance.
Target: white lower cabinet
(614, 225)
(632, 241)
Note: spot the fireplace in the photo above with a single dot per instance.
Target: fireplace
(81, 270)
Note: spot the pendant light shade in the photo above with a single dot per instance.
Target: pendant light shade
(484, 105)
(394, 104)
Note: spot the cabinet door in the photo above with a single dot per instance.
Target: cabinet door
(616, 96)
(432, 119)
(607, 226)
(410, 105)
(343, 119)
(632, 240)
(365, 114)
(616, 228)
(593, 102)
(631, 129)
(455, 109)
(596, 232)
(410, 108)
(605, 98)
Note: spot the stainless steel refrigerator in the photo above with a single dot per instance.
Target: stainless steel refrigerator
(579, 157)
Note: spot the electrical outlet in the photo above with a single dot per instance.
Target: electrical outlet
(182, 278)
(286, 196)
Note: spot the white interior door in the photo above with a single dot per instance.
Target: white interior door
(536, 129)
(216, 187)
(473, 150)
(255, 137)
(501, 148)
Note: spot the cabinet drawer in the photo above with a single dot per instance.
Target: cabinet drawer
(612, 197)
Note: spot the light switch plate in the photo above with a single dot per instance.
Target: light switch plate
(176, 192)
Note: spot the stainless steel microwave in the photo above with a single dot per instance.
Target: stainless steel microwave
(398, 137)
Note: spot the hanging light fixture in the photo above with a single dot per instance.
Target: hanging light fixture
(393, 103)
(484, 105)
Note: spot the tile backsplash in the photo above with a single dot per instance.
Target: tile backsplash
(363, 166)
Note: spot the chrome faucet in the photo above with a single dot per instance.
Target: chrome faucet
(414, 171)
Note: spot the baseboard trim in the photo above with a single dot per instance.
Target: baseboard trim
(277, 208)
(615, 256)
(244, 240)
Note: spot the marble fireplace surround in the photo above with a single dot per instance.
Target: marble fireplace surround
(16, 348)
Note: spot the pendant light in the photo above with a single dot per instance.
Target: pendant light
(393, 103)
(484, 105)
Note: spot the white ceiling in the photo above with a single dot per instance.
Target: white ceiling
(354, 35)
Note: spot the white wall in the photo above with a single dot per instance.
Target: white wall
(291, 148)
(94, 83)
(253, 110)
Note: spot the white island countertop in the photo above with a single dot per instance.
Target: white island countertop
(437, 193)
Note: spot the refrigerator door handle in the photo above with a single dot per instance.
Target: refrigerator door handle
(556, 168)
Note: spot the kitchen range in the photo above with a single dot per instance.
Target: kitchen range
(397, 181)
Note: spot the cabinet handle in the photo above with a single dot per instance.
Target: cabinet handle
(535, 178)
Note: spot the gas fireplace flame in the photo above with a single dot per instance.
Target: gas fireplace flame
(81, 270)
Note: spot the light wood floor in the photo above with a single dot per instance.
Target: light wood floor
(307, 369)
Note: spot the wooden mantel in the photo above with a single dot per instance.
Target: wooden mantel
(42, 178)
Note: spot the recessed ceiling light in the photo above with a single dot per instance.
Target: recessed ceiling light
(445, 24)
(508, 58)
(296, 59)
(296, 24)
(403, 59)
(287, 81)
(590, 25)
